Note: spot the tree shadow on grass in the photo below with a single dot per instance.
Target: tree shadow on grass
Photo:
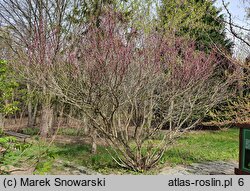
(73, 150)
(81, 155)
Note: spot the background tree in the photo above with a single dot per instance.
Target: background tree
(235, 109)
(7, 88)
(196, 19)
(36, 29)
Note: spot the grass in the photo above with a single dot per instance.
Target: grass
(62, 131)
(197, 146)
(204, 146)
(81, 155)
(71, 131)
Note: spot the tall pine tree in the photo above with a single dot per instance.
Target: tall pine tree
(196, 19)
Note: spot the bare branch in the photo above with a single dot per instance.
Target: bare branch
(231, 25)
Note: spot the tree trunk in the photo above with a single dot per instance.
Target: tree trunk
(29, 114)
(33, 119)
(68, 118)
(32, 110)
(57, 115)
(93, 141)
(1, 121)
(89, 130)
(85, 125)
(46, 121)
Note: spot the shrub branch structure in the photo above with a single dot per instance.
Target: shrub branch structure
(130, 85)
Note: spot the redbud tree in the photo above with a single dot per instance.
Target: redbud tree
(130, 85)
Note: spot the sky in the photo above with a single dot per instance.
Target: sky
(237, 9)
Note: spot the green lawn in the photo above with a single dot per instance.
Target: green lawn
(204, 146)
(197, 146)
